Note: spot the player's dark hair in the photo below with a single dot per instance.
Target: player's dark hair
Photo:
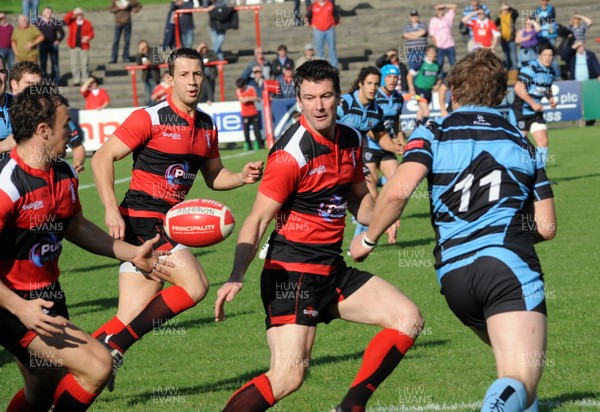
(35, 105)
(546, 46)
(185, 53)
(362, 75)
(22, 68)
(239, 83)
(431, 47)
(316, 71)
(478, 79)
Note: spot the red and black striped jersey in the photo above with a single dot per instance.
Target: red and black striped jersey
(312, 177)
(35, 210)
(169, 146)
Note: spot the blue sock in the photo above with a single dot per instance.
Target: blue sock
(541, 154)
(535, 406)
(381, 181)
(505, 394)
(360, 228)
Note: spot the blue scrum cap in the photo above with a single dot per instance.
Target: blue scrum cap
(388, 69)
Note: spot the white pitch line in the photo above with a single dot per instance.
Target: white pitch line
(127, 179)
(587, 403)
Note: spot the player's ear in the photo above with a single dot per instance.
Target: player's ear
(43, 129)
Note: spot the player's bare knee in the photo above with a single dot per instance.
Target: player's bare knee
(290, 378)
(409, 320)
(196, 290)
(97, 371)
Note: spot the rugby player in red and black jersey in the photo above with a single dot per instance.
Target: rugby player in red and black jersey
(39, 207)
(171, 142)
(314, 174)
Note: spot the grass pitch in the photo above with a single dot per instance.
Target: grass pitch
(193, 364)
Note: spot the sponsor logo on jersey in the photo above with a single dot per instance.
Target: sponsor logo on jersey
(178, 174)
(45, 251)
(480, 121)
(317, 170)
(38, 204)
(171, 135)
(334, 209)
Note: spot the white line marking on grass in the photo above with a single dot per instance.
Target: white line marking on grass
(127, 179)
(587, 403)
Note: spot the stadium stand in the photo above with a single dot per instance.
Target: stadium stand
(367, 30)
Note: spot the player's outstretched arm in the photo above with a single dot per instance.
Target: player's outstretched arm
(248, 241)
(217, 177)
(90, 237)
(78, 158)
(389, 207)
(104, 176)
(361, 203)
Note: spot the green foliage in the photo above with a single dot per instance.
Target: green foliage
(195, 364)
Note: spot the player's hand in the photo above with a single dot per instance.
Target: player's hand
(225, 293)
(553, 103)
(357, 250)
(149, 260)
(399, 146)
(115, 224)
(79, 168)
(392, 232)
(252, 172)
(31, 314)
(537, 107)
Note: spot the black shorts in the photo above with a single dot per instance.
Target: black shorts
(426, 94)
(15, 337)
(140, 229)
(524, 122)
(496, 281)
(303, 298)
(376, 155)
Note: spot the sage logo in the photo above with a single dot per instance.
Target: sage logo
(334, 209)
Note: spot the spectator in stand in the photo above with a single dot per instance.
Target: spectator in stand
(423, 81)
(391, 57)
(96, 97)
(583, 64)
(309, 54)
(6, 51)
(81, 32)
(414, 34)
(186, 22)
(545, 14)
(257, 81)
(248, 97)
(485, 32)
(53, 34)
(150, 75)
(25, 41)
(123, 9)
(282, 61)
(527, 40)
(207, 95)
(579, 26)
(474, 6)
(323, 16)
(30, 9)
(7, 142)
(259, 60)
(162, 89)
(285, 83)
(221, 18)
(505, 22)
(440, 32)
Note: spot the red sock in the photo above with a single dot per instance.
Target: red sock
(255, 396)
(111, 327)
(164, 305)
(19, 403)
(381, 357)
(71, 397)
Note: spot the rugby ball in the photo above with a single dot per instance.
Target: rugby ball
(199, 222)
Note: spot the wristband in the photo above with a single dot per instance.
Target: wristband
(367, 243)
